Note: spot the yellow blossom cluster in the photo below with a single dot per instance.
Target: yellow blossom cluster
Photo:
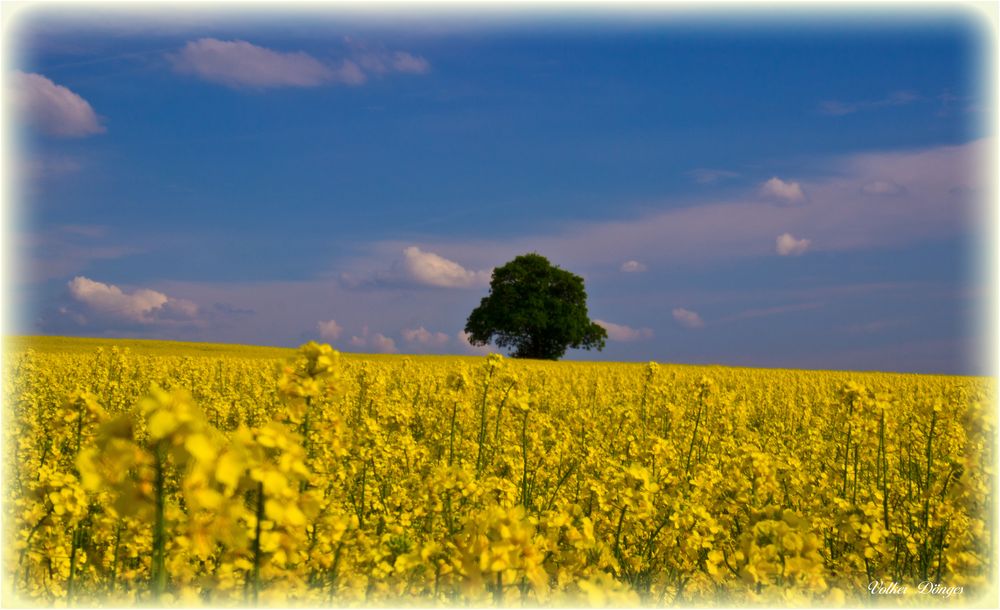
(332, 479)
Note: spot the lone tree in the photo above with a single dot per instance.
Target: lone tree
(537, 308)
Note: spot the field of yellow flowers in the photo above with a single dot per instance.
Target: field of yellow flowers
(239, 477)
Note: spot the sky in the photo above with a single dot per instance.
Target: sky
(802, 190)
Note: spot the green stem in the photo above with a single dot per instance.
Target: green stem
(158, 570)
(451, 441)
(498, 592)
(694, 435)
(72, 566)
(524, 461)
(482, 422)
(114, 560)
(256, 543)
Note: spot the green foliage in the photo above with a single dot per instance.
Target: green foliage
(536, 308)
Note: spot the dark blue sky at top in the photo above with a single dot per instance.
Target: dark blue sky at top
(518, 129)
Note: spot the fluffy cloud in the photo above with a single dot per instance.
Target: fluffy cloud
(348, 73)
(944, 192)
(330, 330)
(141, 306)
(422, 336)
(787, 245)
(431, 269)
(52, 108)
(237, 63)
(378, 60)
(688, 318)
(383, 344)
(778, 189)
(620, 332)
(633, 267)
(410, 64)
(377, 342)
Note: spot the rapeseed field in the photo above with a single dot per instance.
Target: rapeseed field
(166, 474)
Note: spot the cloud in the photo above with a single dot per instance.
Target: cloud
(237, 63)
(422, 336)
(622, 333)
(945, 190)
(52, 108)
(410, 64)
(778, 189)
(377, 342)
(142, 306)
(348, 73)
(688, 318)
(678, 234)
(416, 267)
(463, 340)
(431, 269)
(633, 267)
(898, 98)
(885, 188)
(704, 175)
(787, 245)
(378, 60)
(383, 344)
(329, 330)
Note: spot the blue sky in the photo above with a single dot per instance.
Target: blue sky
(800, 192)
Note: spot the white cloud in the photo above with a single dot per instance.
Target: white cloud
(348, 73)
(330, 330)
(433, 270)
(633, 267)
(463, 340)
(383, 344)
(377, 342)
(410, 64)
(52, 108)
(688, 318)
(620, 332)
(237, 63)
(787, 245)
(141, 306)
(378, 60)
(422, 336)
(839, 218)
(776, 188)
(882, 187)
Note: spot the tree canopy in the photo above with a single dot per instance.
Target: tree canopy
(536, 308)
